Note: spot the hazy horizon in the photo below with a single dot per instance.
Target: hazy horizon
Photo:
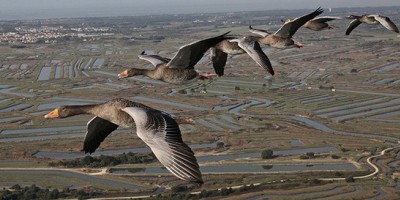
(44, 9)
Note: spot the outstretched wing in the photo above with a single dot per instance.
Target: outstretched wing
(386, 22)
(289, 29)
(254, 50)
(97, 130)
(190, 54)
(353, 24)
(153, 59)
(218, 59)
(260, 32)
(324, 19)
(161, 133)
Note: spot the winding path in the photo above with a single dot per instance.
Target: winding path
(369, 161)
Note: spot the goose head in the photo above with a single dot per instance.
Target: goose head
(60, 112)
(130, 72)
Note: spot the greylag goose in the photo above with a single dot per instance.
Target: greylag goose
(371, 19)
(156, 128)
(282, 38)
(219, 53)
(318, 23)
(179, 69)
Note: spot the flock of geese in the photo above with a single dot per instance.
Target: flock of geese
(159, 130)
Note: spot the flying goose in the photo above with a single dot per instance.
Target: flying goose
(318, 23)
(371, 19)
(282, 38)
(219, 53)
(156, 128)
(179, 69)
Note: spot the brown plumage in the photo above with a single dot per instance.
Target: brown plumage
(282, 38)
(179, 69)
(318, 23)
(156, 128)
(372, 20)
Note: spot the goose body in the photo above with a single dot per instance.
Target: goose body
(179, 69)
(371, 20)
(156, 128)
(282, 38)
(164, 73)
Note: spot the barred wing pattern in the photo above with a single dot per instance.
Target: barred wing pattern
(162, 134)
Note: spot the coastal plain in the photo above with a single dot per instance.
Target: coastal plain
(327, 114)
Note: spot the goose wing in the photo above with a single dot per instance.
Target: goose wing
(324, 19)
(353, 24)
(188, 55)
(254, 50)
(97, 130)
(218, 59)
(260, 32)
(289, 28)
(153, 59)
(161, 133)
(386, 22)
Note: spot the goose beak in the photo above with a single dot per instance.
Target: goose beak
(123, 74)
(52, 114)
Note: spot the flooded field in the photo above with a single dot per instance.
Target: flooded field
(66, 176)
(44, 74)
(242, 168)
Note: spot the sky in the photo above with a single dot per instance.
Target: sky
(39, 9)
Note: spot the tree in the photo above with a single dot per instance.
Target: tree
(303, 157)
(335, 156)
(220, 144)
(54, 194)
(338, 173)
(226, 191)
(16, 187)
(180, 188)
(310, 154)
(350, 179)
(87, 160)
(353, 71)
(267, 154)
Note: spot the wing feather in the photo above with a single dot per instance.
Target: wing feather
(254, 50)
(97, 130)
(188, 55)
(162, 134)
(353, 24)
(386, 22)
(324, 19)
(289, 29)
(153, 59)
(260, 32)
(218, 59)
